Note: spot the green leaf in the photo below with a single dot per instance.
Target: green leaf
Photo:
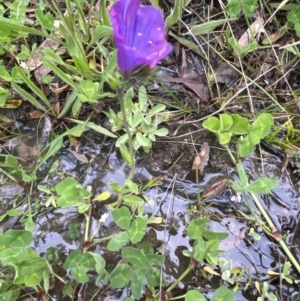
(78, 258)
(242, 174)
(95, 127)
(245, 146)
(137, 230)
(68, 289)
(194, 295)
(161, 132)
(68, 184)
(128, 101)
(176, 13)
(138, 278)
(212, 124)
(196, 228)
(153, 276)
(156, 259)
(54, 147)
(143, 141)
(28, 96)
(35, 89)
(212, 251)
(155, 110)
(223, 294)
(88, 88)
(209, 26)
(132, 200)
(143, 104)
(226, 122)
(224, 138)
(14, 255)
(240, 125)
(122, 217)
(121, 275)
(7, 24)
(16, 238)
(209, 235)
(118, 241)
(80, 263)
(136, 257)
(234, 7)
(34, 271)
(262, 185)
(261, 127)
(125, 154)
(199, 249)
(45, 20)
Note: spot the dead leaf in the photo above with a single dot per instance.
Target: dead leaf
(211, 271)
(79, 157)
(225, 74)
(216, 187)
(275, 36)
(43, 70)
(201, 158)
(249, 35)
(34, 60)
(192, 80)
(36, 114)
(12, 103)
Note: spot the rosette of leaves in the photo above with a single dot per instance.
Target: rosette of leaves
(143, 121)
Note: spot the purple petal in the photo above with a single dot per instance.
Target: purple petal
(139, 33)
(122, 16)
(129, 59)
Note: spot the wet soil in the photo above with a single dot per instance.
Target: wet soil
(176, 200)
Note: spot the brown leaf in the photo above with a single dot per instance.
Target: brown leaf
(12, 103)
(216, 187)
(36, 114)
(225, 74)
(201, 158)
(79, 157)
(192, 80)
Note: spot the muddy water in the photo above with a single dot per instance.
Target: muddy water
(172, 200)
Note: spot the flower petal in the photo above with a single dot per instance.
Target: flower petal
(139, 33)
(122, 16)
(129, 59)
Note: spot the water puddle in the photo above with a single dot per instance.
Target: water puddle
(96, 163)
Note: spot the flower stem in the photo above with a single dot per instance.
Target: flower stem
(130, 140)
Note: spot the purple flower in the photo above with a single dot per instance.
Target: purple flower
(140, 35)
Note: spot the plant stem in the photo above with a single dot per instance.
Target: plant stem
(279, 239)
(88, 222)
(198, 188)
(230, 154)
(269, 222)
(130, 140)
(96, 241)
(169, 289)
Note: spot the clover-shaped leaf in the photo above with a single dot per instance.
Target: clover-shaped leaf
(118, 241)
(122, 217)
(138, 278)
(34, 271)
(80, 263)
(137, 230)
(120, 276)
(136, 257)
(196, 227)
